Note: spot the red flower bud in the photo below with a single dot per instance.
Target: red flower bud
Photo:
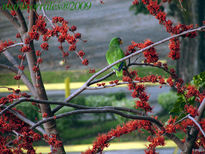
(27, 40)
(77, 35)
(17, 77)
(38, 53)
(85, 62)
(72, 47)
(18, 35)
(21, 67)
(44, 46)
(25, 49)
(35, 68)
(73, 28)
(81, 53)
(39, 60)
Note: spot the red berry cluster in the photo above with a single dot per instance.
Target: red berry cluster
(154, 9)
(52, 140)
(15, 95)
(103, 140)
(5, 44)
(23, 136)
(150, 54)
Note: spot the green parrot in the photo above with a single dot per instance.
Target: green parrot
(115, 53)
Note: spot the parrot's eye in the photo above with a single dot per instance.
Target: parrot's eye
(120, 40)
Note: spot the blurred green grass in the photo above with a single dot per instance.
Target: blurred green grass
(76, 75)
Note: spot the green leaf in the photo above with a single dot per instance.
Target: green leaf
(178, 107)
(199, 80)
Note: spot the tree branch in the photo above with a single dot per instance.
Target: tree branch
(196, 123)
(142, 50)
(103, 78)
(10, 68)
(192, 136)
(68, 105)
(12, 19)
(152, 65)
(201, 110)
(100, 110)
(44, 14)
(11, 46)
(29, 122)
(113, 110)
(20, 17)
(31, 15)
(23, 76)
(89, 81)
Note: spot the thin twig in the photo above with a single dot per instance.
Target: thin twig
(10, 68)
(44, 14)
(11, 46)
(182, 119)
(103, 78)
(110, 85)
(23, 76)
(152, 65)
(29, 122)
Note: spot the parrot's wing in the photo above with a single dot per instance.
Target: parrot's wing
(113, 54)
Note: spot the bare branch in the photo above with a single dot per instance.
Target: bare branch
(182, 119)
(23, 76)
(31, 15)
(197, 124)
(44, 14)
(12, 19)
(10, 68)
(20, 17)
(201, 110)
(74, 94)
(11, 46)
(68, 105)
(152, 65)
(103, 110)
(112, 110)
(113, 85)
(87, 83)
(103, 78)
(29, 122)
(142, 50)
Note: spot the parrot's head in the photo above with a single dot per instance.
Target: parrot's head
(116, 41)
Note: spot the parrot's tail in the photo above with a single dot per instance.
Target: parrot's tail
(119, 73)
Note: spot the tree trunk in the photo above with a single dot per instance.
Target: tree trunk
(192, 59)
(50, 127)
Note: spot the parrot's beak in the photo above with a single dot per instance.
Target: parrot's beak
(121, 42)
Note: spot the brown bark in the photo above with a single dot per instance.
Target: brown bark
(50, 127)
(192, 59)
(40, 93)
